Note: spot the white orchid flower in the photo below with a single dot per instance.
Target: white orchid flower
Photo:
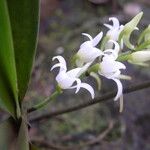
(114, 31)
(66, 79)
(110, 68)
(88, 52)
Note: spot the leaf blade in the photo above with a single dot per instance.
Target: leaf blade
(8, 77)
(24, 16)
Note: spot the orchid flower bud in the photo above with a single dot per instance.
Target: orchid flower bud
(128, 29)
(140, 57)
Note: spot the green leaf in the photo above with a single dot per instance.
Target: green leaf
(24, 17)
(8, 78)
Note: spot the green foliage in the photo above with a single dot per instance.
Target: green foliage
(8, 78)
(24, 23)
(18, 35)
(128, 29)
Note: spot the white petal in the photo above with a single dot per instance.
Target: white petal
(89, 88)
(64, 81)
(62, 67)
(108, 26)
(115, 21)
(113, 75)
(86, 45)
(78, 86)
(73, 73)
(136, 28)
(119, 65)
(88, 53)
(97, 39)
(60, 59)
(120, 89)
(89, 36)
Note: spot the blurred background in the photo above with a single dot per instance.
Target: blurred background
(100, 126)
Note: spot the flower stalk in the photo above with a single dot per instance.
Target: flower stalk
(45, 101)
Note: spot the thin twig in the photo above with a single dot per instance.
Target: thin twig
(105, 97)
(97, 139)
(49, 145)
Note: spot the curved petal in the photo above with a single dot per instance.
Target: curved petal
(119, 65)
(97, 39)
(89, 88)
(115, 21)
(120, 89)
(89, 36)
(60, 59)
(62, 67)
(86, 45)
(78, 86)
(108, 26)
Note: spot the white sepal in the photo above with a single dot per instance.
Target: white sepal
(119, 87)
(89, 88)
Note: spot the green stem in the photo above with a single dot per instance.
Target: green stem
(45, 101)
